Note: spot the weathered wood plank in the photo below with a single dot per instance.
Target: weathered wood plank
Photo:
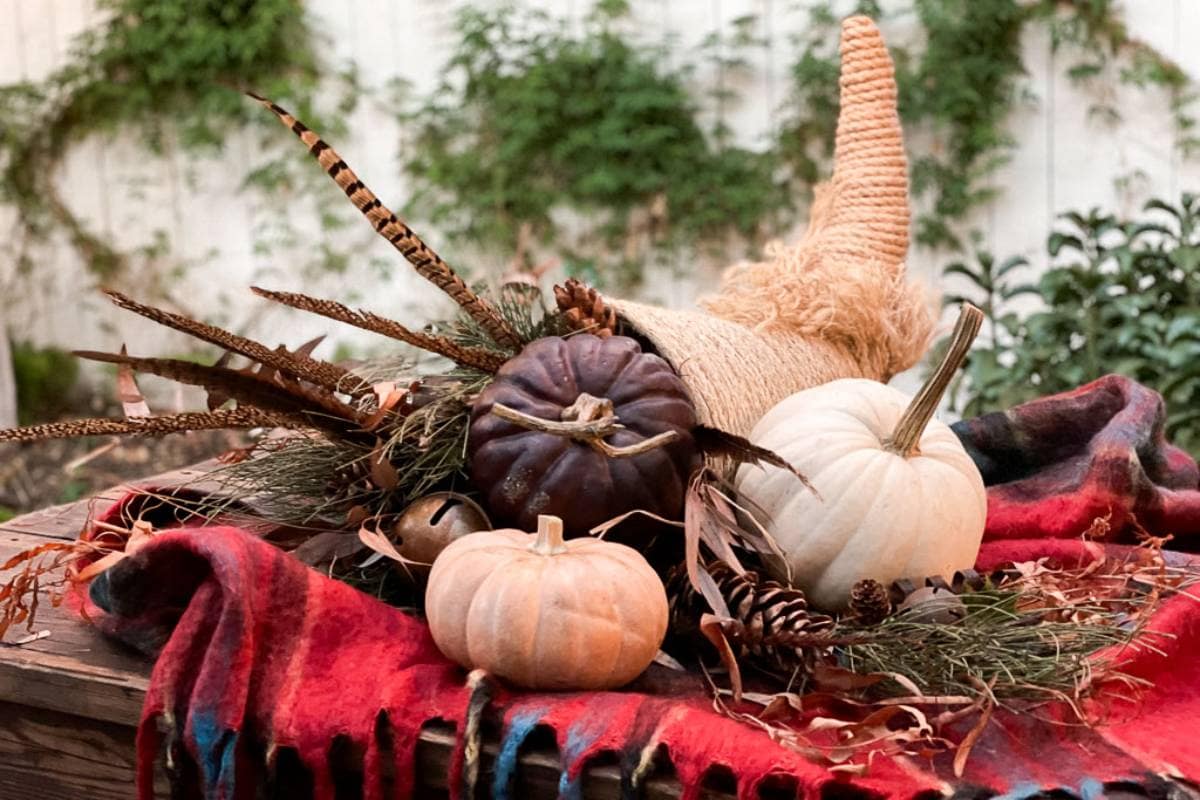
(73, 648)
(46, 755)
(71, 685)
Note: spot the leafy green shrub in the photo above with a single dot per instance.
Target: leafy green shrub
(1122, 296)
(533, 119)
(45, 379)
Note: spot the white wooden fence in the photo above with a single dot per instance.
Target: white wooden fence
(1064, 162)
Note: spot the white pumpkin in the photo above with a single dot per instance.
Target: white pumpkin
(896, 494)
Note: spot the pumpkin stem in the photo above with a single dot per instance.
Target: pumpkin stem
(588, 420)
(906, 439)
(588, 408)
(549, 536)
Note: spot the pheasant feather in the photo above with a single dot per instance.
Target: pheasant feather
(316, 407)
(295, 365)
(428, 264)
(477, 357)
(242, 417)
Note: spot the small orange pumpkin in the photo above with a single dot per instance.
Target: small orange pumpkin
(545, 613)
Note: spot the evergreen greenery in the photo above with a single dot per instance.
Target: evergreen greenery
(1122, 295)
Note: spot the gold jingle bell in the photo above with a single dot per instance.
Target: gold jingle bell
(430, 523)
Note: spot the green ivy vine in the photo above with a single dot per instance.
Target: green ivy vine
(961, 83)
(584, 140)
(153, 66)
(534, 119)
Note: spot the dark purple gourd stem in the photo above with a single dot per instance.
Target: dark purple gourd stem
(589, 420)
(906, 439)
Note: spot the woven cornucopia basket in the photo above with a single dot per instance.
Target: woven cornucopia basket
(835, 304)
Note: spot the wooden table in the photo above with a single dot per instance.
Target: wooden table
(70, 704)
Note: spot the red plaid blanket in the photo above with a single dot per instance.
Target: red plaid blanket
(271, 677)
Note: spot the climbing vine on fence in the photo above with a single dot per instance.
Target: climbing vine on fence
(167, 68)
(960, 81)
(534, 119)
(590, 140)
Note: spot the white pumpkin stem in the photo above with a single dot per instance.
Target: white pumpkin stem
(906, 439)
(549, 540)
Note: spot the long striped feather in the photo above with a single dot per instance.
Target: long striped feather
(295, 365)
(318, 408)
(427, 263)
(477, 357)
(228, 418)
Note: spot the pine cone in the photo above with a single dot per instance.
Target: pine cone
(772, 623)
(869, 602)
(584, 308)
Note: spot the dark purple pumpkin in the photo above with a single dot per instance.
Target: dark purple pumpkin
(523, 473)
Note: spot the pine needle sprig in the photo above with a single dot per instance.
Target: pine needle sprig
(301, 480)
(429, 446)
(486, 359)
(1020, 655)
(522, 308)
(295, 365)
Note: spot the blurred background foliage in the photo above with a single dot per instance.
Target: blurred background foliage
(533, 118)
(1122, 295)
(613, 153)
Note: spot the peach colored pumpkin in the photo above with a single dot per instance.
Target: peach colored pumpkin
(545, 613)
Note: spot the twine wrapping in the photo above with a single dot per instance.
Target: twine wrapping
(834, 305)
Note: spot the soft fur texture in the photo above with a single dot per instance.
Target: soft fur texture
(814, 290)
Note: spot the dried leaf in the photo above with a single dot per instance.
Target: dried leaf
(604, 527)
(133, 402)
(31, 638)
(328, 546)
(964, 747)
(383, 473)
(139, 536)
(713, 629)
(722, 444)
(34, 552)
(702, 582)
(376, 541)
(357, 515)
(665, 660)
(100, 565)
(388, 397)
(306, 349)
